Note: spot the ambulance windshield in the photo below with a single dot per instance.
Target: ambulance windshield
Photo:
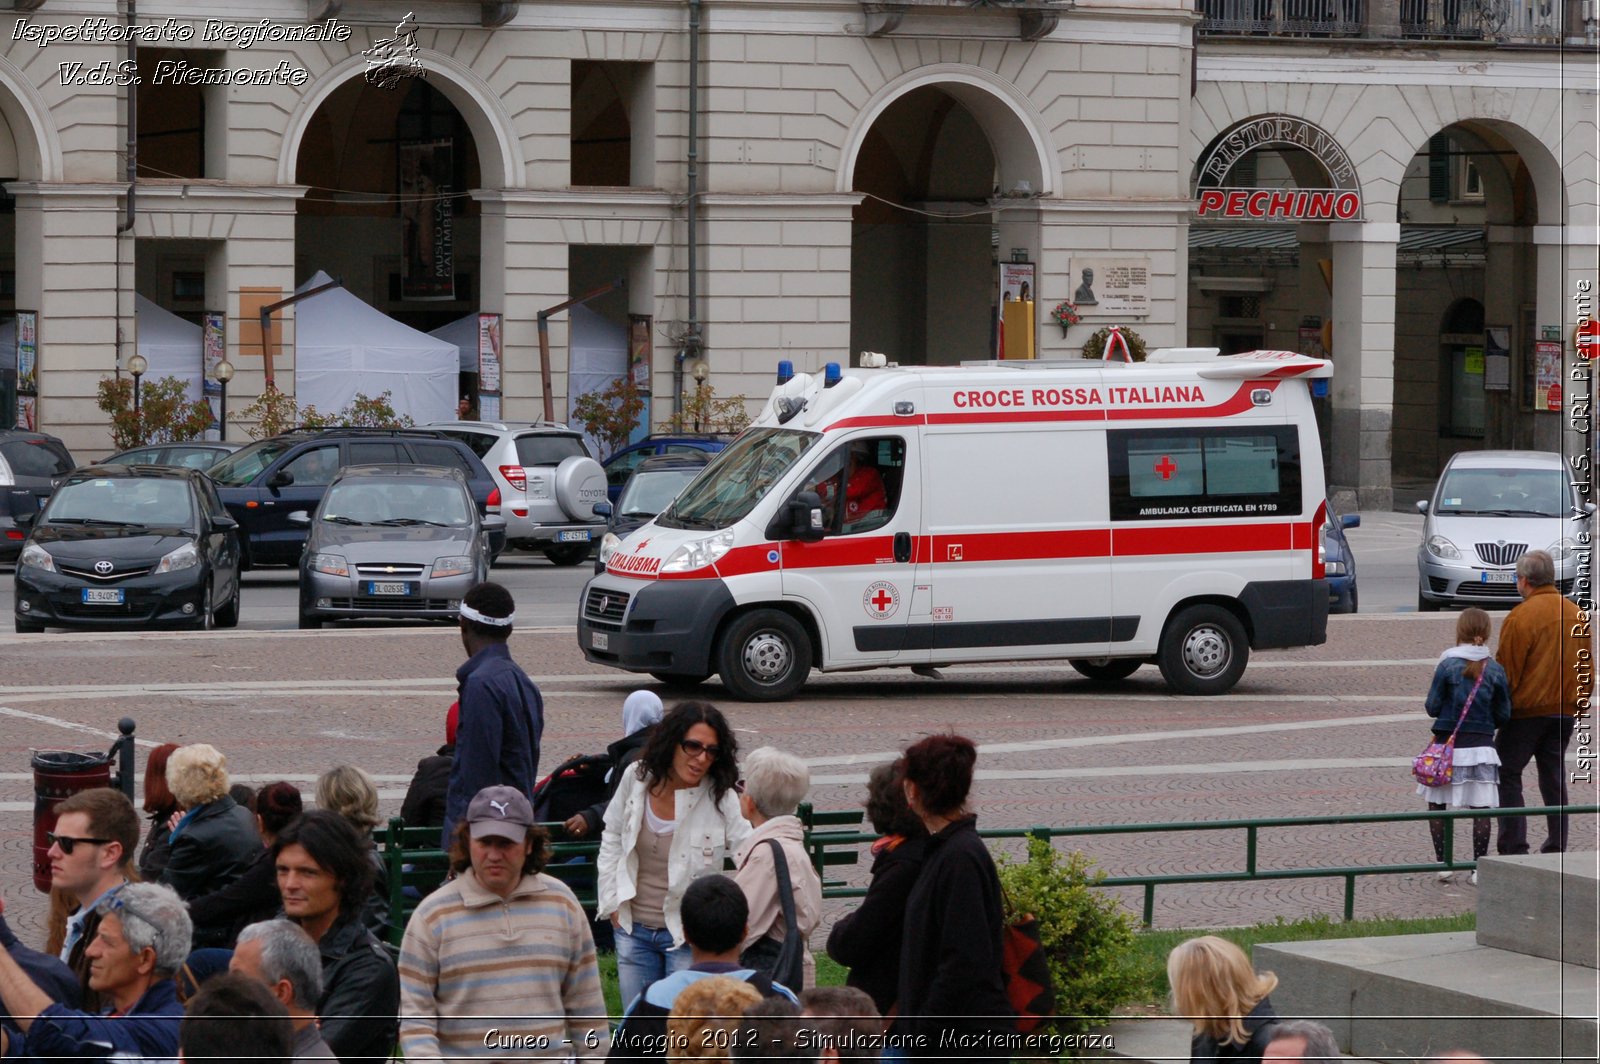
(737, 479)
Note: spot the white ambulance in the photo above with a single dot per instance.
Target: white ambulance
(1107, 513)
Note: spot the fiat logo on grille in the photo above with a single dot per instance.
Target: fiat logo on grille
(102, 567)
(605, 600)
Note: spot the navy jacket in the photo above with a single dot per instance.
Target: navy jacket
(497, 742)
(1258, 1026)
(1489, 710)
(149, 1030)
(48, 973)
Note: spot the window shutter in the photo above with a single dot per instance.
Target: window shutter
(1439, 168)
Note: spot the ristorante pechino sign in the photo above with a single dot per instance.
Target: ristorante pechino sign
(1340, 201)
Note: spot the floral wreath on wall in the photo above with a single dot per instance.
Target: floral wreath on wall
(1095, 346)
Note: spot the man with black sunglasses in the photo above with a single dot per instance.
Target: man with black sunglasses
(91, 857)
(141, 939)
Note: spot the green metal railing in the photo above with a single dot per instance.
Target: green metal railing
(828, 842)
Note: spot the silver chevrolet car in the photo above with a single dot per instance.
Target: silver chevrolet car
(1488, 509)
(393, 541)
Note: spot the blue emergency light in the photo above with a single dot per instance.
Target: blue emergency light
(785, 371)
(1319, 388)
(831, 375)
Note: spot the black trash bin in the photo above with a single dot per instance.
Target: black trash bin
(57, 776)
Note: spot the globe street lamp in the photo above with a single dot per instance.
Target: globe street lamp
(224, 373)
(137, 366)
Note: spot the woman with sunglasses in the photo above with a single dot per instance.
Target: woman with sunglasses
(675, 817)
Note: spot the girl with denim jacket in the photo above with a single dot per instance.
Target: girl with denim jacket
(1475, 780)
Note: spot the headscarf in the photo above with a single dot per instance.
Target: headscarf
(642, 709)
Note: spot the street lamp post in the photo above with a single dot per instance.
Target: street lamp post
(701, 372)
(224, 374)
(137, 366)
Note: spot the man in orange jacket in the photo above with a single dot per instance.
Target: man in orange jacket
(1544, 648)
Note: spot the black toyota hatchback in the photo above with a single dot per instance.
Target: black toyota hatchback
(125, 546)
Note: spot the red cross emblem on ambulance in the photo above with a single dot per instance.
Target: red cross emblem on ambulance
(881, 600)
(1166, 467)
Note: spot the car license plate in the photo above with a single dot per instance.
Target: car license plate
(580, 536)
(1508, 577)
(103, 596)
(600, 640)
(388, 587)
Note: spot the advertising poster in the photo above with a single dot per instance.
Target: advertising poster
(1546, 375)
(427, 257)
(27, 369)
(488, 355)
(213, 352)
(1017, 283)
(641, 352)
(1107, 287)
(1497, 358)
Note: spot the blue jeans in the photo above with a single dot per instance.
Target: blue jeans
(644, 955)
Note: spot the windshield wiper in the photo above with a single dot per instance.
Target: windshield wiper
(337, 519)
(1517, 513)
(637, 513)
(403, 521)
(99, 522)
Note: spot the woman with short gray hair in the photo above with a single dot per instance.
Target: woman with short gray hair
(155, 918)
(775, 783)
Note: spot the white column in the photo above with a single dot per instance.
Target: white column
(1363, 357)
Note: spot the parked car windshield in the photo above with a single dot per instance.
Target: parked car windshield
(144, 501)
(738, 478)
(544, 449)
(395, 501)
(649, 492)
(1504, 492)
(245, 464)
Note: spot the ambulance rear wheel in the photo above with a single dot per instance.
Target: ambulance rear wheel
(765, 656)
(1106, 670)
(1203, 651)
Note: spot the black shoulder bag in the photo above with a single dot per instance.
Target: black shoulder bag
(784, 962)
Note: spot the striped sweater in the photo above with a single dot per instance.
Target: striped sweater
(505, 979)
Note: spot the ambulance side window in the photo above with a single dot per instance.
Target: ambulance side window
(1218, 473)
(859, 484)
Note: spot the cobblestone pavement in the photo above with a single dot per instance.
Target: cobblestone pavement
(1322, 731)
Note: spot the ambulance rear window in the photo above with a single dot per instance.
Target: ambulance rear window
(1219, 472)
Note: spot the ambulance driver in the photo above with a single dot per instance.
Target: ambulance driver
(866, 501)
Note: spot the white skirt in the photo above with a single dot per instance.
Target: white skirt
(1474, 782)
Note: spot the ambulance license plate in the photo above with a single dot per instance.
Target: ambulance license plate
(1509, 577)
(103, 596)
(580, 536)
(600, 640)
(388, 587)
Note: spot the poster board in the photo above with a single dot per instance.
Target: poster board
(1018, 282)
(213, 347)
(1547, 376)
(488, 354)
(28, 369)
(1497, 358)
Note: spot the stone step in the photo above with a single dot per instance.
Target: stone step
(1543, 905)
(1153, 1040)
(1401, 998)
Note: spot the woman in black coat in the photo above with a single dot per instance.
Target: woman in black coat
(220, 915)
(868, 940)
(952, 996)
(1216, 989)
(215, 839)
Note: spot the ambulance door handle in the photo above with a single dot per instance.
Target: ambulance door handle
(902, 546)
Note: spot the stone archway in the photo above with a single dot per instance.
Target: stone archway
(941, 157)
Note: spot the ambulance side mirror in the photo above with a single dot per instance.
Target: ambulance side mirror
(806, 521)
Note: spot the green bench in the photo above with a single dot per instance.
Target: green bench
(412, 858)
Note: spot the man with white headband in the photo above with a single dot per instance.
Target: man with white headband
(502, 715)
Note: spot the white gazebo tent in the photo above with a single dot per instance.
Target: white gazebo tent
(171, 346)
(344, 347)
(463, 333)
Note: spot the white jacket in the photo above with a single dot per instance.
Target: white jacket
(707, 833)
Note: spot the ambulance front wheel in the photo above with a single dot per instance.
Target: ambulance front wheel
(765, 656)
(1203, 651)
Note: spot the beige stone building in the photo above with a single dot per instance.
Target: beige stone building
(805, 179)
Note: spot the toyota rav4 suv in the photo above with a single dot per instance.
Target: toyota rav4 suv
(549, 483)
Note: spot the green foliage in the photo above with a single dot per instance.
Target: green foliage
(704, 412)
(165, 414)
(274, 412)
(611, 414)
(1088, 937)
(1095, 346)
